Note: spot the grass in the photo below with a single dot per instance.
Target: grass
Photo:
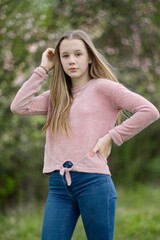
(138, 215)
(137, 218)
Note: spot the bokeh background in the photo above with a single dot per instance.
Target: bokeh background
(127, 32)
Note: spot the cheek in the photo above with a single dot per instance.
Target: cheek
(85, 64)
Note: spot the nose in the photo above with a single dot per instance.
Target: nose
(71, 60)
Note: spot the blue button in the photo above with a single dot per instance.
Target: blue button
(68, 164)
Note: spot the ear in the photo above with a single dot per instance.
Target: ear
(90, 61)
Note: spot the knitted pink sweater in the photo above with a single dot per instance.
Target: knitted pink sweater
(93, 114)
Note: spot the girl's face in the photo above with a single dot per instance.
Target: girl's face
(75, 60)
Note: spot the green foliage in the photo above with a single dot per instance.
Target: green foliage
(126, 31)
(22, 223)
(137, 160)
(137, 217)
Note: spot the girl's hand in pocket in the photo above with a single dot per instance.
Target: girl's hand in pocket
(103, 146)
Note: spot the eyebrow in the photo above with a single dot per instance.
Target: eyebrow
(77, 50)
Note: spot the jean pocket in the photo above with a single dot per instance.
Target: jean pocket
(111, 186)
(52, 173)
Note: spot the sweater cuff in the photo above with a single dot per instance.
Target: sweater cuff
(41, 73)
(115, 137)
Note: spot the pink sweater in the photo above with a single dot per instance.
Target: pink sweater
(93, 114)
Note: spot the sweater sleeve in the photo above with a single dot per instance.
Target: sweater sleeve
(144, 113)
(25, 101)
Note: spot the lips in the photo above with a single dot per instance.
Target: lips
(73, 69)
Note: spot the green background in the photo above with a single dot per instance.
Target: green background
(127, 32)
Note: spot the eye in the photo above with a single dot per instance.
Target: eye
(78, 54)
(65, 56)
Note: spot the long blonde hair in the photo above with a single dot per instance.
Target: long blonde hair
(61, 85)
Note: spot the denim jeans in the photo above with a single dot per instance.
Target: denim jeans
(91, 195)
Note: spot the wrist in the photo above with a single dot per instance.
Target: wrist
(107, 138)
(44, 68)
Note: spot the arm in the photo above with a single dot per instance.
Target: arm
(144, 113)
(25, 102)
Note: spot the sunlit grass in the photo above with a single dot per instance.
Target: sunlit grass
(137, 218)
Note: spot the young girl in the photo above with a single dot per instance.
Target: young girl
(82, 107)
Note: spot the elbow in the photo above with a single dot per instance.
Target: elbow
(155, 114)
(19, 109)
(14, 109)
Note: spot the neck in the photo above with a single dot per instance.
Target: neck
(77, 82)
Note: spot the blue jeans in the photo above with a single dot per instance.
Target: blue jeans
(91, 195)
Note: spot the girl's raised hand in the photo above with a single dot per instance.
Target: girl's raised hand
(47, 60)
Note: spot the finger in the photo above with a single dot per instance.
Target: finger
(49, 50)
(50, 53)
(95, 149)
(52, 50)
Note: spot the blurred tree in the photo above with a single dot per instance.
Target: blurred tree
(126, 31)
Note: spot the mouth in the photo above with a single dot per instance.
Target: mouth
(73, 69)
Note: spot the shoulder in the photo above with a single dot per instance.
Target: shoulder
(104, 82)
(105, 86)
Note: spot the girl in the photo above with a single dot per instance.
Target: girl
(82, 107)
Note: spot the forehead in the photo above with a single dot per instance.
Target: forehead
(72, 45)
